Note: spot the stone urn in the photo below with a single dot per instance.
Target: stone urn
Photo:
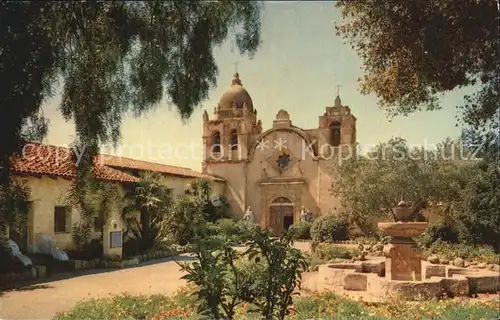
(402, 231)
(402, 212)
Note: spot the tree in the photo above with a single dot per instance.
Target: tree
(183, 223)
(371, 185)
(188, 216)
(14, 200)
(111, 57)
(480, 207)
(201, 191)
(152, 199)
(414, 50)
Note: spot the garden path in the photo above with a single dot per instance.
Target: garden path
(45, 300)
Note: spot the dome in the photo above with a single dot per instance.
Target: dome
(235, 94)
(282, 115)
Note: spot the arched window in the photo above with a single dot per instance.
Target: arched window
(216, 141)
(335, 133)
(234, 140)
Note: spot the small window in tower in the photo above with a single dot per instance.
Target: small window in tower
(335, 134)
(216, 142)
(234, 140)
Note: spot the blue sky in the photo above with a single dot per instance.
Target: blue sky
(297, 68)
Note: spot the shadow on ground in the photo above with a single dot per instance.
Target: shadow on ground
(41, 284)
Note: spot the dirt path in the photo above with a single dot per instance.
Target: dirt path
(44, 300)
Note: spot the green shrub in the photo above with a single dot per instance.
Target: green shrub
(301, 230)
(329, 227)
(211, 229)
(443, 232)
(469, 252)
(91, 250)
(228, 229)
(7, 262)
(265, 275)
(326, 251)
(227, 226)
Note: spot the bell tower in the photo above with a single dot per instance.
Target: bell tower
(228, 134)
(337, 128)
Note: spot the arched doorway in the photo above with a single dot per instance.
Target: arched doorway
(281, 215)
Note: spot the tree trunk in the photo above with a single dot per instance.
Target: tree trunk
(146, 229)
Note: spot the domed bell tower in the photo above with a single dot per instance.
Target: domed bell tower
(227, 136)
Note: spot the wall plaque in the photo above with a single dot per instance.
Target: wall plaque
(115, 239)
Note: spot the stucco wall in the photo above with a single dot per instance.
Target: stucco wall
(327, 174)
(303, 167)
(234, 188)
(45, 194)
(48, 192)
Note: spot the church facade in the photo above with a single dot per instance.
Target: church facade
(276, 172)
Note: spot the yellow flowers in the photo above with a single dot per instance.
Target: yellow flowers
(177, 312)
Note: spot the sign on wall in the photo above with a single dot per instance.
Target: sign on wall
(216, 201)
(115, 239)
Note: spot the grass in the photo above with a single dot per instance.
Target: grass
(318, 306)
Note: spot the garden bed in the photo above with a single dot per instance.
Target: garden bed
(318, 306)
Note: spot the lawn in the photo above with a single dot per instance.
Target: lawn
(182, 305)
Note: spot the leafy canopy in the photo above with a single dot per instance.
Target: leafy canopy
(110, 57)
(371, 185)
(415, 50)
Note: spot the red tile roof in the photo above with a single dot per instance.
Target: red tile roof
(57, 161)
(127, 163)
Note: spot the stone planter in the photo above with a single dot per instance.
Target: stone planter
(29, 274)
(402, 229)
(74, 265)
(41, 271)
(114, 264)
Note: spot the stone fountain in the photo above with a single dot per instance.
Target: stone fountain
(403, 257)
(402, 273)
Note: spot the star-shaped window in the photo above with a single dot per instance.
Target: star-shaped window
(283, 161)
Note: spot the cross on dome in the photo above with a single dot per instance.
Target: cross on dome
(236, 79)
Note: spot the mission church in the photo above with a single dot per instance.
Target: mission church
(274, 174)
(279, 172)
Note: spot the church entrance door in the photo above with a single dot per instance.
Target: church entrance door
(281, 215)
